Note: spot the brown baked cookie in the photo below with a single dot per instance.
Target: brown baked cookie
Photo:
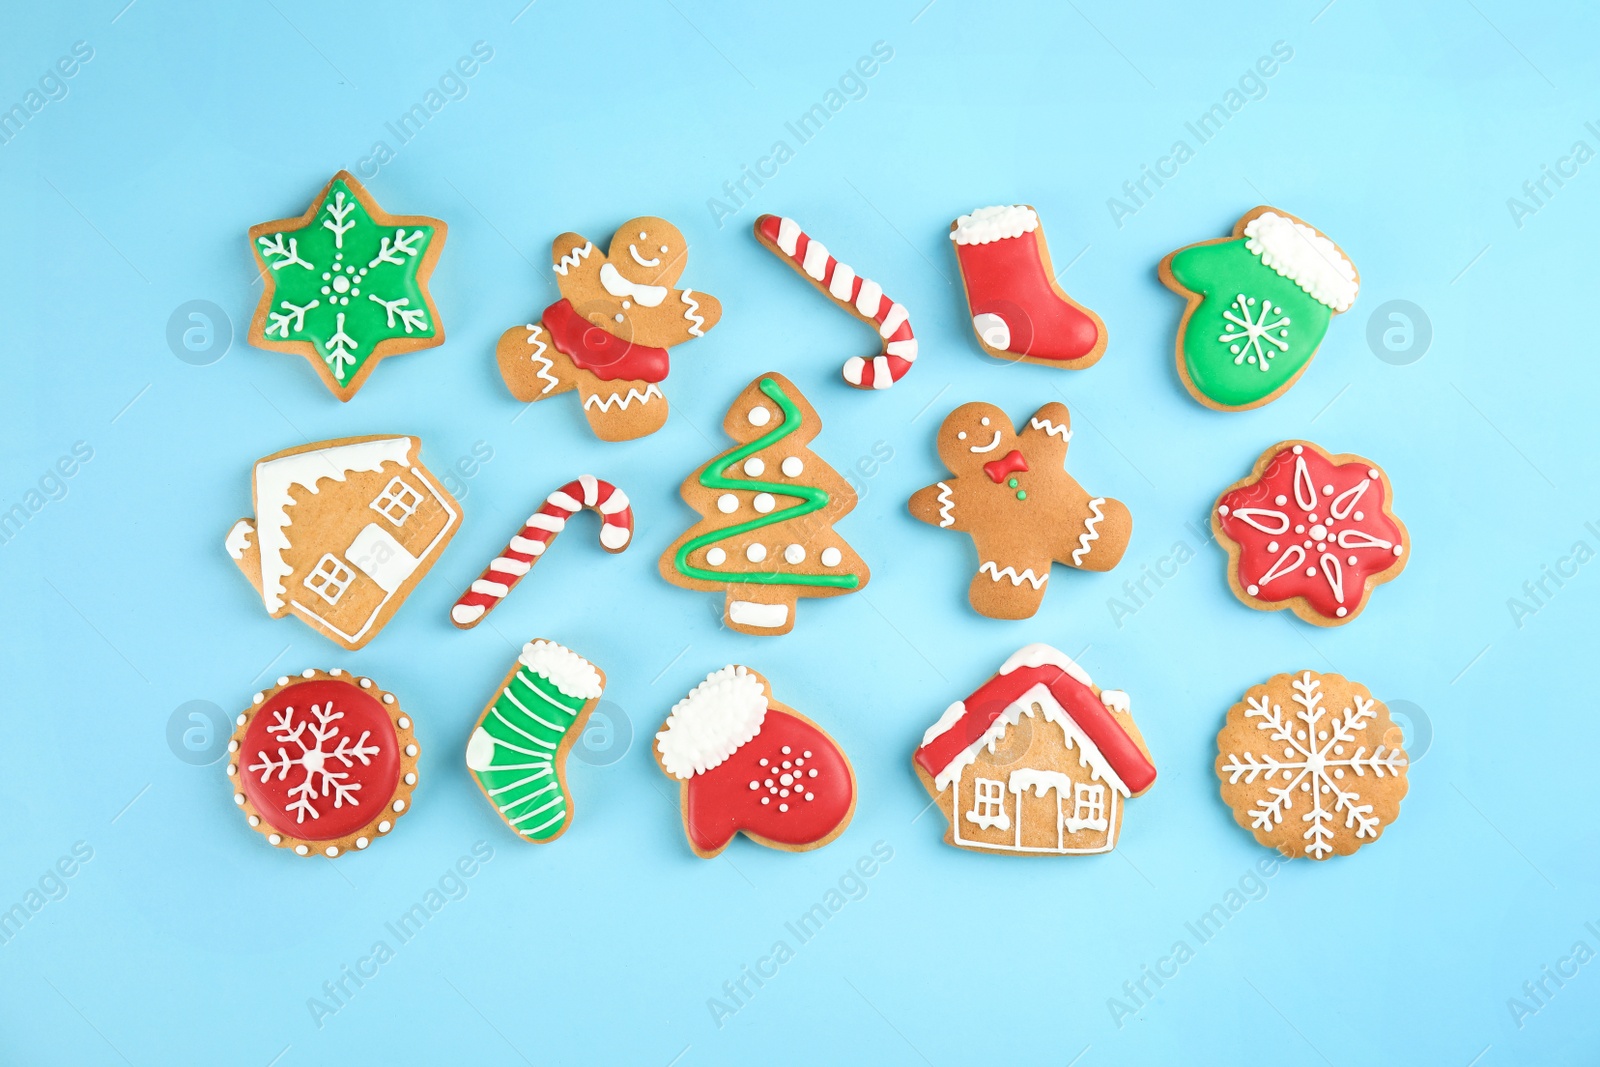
(608, 335)
(1311, 764)
(1011, 493)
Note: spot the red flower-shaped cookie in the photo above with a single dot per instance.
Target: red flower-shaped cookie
(1310, 532)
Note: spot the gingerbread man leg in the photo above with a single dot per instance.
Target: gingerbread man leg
(620, 410)
(1009, 588)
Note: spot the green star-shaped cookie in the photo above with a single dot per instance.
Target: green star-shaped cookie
(347, 284)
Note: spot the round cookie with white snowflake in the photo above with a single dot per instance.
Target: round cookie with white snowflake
(1312, 765)
(323, 763)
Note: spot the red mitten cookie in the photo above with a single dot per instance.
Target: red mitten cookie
(753, 766)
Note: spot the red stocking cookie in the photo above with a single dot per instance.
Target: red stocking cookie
(861, 297)
(1019, 312)
(1310, 532)
(1009, 491)
(323, 763)
(750, 765)
(608, 335)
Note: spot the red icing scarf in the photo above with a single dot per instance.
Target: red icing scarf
(602, 354)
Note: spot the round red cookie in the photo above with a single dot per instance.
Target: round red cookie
(1311, 532)
(323, 763)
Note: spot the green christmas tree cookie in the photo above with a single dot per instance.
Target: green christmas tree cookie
(346, 284)
(1259, 304)
(518, 752)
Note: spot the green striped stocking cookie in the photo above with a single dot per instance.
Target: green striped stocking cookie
(518, 752)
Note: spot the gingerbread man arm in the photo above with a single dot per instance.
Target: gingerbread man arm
(936, 505)
(1096, 539)
(1047, 434)
(576, 262)
(684, 315)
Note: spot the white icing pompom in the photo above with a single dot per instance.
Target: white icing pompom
(709, 725)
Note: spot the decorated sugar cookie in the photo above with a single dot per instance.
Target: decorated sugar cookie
(1312, 765)
(344, 530)
(1310, 532)
(1037, 762)
(346, 284)
(750, 765)
(1019, 311)
(1010, 492)
(323, 763)
(861, 297)
(1259, 304)
(528, 545)
(769, 506)
(518, 750)
(608, 335)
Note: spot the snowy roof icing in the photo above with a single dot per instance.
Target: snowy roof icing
(994, 224)
(1043, 676)
(566, 670)
(709, 725)
(1304, 256)
(276, 480)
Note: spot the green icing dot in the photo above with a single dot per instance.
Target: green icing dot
(1022, 494)
(1012, 483)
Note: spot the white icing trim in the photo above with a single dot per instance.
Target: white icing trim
(947, 506)
(275, 479)
(749, 613)
(707, 726)
(573, 258)
(571, 673)
(994, 224)
(1039, 695)
(238, 540)
(1304, 256)
(1115, 699)
(1089, 531)
(1051, 429)
(997, 572)
(1041, 655)
(621, 402)
(951, 716)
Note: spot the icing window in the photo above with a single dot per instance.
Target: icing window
(329, 578)
(398, 501)
(1088, 808)
(987, 804)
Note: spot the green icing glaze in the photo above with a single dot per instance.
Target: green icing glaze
(812, 499)
(512, 754)
(344, 283)
(1223, 365)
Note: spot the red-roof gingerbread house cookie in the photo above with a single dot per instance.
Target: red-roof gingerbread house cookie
(1037, 761)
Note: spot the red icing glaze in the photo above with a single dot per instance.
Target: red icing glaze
(363, 724)
(720, 802)
(1078, 700)
(602, 354)
(1007, 278)
(1300, 535)
(1010, 463)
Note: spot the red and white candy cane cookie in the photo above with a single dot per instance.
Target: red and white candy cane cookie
(503, 572)
(862, 297)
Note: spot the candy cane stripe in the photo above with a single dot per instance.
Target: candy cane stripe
(858, 295)
(528, 545)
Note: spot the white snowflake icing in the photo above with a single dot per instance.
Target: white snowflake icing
(1316, 758)
(338, 209)
(390, 250)
(1247, 346)
(311, 735)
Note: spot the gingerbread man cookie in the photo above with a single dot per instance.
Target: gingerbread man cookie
(1011, 493)
(608, 335)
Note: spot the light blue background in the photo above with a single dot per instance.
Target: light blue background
(1401, 133)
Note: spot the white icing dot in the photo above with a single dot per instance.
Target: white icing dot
(1372, 472)
(811, 796)
(762, 762)
(785, 750)
(1280, 500)
(233, 769)
(383, 827)
(806, 753)
(301, 850)
(411, 750)
(284, 680)
(962, 436)
(794, 554)
(727, 503)
(754, 467)
(388, 698)
(812, 773)
(255, 820)
(240, 720)
(764, 502)
(766, 800)
(405, 723)
(1342, 612)
(1272, 546)
(1359, 516)
(274, 839)
(1222, 509)
(362, 842)
(1253, 589)
(759, 416)
(716, 557)
(783, 807)
(756, 553)
(1297, 448)
(793, 467)
(1328, 489)
(831, 557)
(399, 805)
(1399, 549)
(1352, 561)
(238, 798)
(787, 779)
(366, 683)
(411, 779)
(755, 785)
(333, 850)
(1311, 572)
(985, 421)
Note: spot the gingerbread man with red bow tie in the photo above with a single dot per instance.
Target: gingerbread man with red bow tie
(1010, 492)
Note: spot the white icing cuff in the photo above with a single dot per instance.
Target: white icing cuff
(709, 725)
(1040, 655)
(570, 672)
(994, 224)
(1304, 256)
(238, 541)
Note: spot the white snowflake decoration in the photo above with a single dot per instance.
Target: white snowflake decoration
(1247, 346)
(322, 780)
(1316, 760)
